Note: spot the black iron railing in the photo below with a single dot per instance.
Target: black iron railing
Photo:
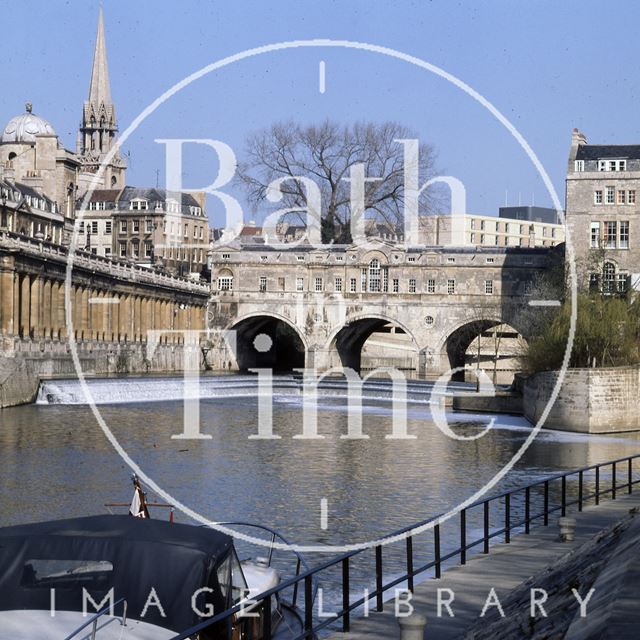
(555, 494)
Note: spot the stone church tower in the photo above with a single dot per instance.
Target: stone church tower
(98, 128)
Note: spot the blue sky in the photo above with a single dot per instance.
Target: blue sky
(548, 66)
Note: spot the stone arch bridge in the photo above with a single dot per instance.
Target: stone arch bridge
(293, 307)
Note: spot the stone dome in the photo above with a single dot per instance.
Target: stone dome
(25, 127)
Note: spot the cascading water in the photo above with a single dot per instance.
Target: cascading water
(284, 388)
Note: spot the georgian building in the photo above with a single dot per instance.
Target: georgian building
(602, 191)
(149, 227)
(34, 160)
(27, 212)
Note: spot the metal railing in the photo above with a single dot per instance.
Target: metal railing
(93, 620)
(552, 492)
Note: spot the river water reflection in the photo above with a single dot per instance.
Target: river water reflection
(56, 462)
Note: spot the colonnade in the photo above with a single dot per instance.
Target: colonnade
(34, 306)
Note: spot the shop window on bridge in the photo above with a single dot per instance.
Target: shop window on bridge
(263, 284)
(412, 285)
(374, 275)
(225, 281)
(352, 285)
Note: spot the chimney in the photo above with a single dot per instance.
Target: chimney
(578, 138)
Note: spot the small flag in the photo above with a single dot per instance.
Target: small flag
(138, 508)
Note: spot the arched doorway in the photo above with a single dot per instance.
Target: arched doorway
(372, 342)
(488, 344)
(264, 341)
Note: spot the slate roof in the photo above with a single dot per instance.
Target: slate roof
(598, 151)
(154, 195)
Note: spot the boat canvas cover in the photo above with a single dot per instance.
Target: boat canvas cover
(130, 555)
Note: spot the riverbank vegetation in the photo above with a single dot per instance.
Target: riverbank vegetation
(607, 335)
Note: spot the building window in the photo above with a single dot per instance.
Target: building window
(299, 284)
(624, 235)
(94, 227)
(148, 226)
(482, 238)
(490, 260)
(339, 258)
(621, 197)
(226, 256)
(609, 277)
(263, 284)
(631, 196)
(597, 197)
(595, 235)
(225, 283)
(481, 225)
(318, 285)
(138, 205)
(107, 251)
(338, 285)
(451, 286)
(488, 287)
(473, 238)
(123, 249)
(411, 259)
(412, 285)
(363, 280)
(374, 275)
(395, 286)
(135, 249)
(451, 260)
(300, 258)
(353, 283)
(148, 249)
(123, 226)
(431, 286)
(107, 227)
(610, 191)
(94, 251)
(579, 165)
(136, 226)
(610, 233)
(472, 223)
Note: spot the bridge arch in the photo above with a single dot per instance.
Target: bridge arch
(345, 344)
(491, 350)
(268, 340)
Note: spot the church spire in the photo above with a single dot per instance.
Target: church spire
(99, 90)
(99, 127)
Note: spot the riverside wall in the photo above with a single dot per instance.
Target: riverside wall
(590, 400)
(23, 364)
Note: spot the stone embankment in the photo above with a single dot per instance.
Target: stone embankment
(28, 362)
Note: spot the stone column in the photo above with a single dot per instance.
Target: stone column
(62, 310)
(7, 296)
(35, 320)
(25, 305)
(46, 309)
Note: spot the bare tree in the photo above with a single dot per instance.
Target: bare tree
(326, 153)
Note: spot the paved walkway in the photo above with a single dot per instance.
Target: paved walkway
(505, 568)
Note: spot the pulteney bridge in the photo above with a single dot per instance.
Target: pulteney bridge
(319, 306)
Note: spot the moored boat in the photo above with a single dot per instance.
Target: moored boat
(118, 576)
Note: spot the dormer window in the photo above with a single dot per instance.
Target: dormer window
(172, 206)
(579, 165)
(612, 165)
(138, 205)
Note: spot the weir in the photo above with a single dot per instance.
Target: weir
(285, 388)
